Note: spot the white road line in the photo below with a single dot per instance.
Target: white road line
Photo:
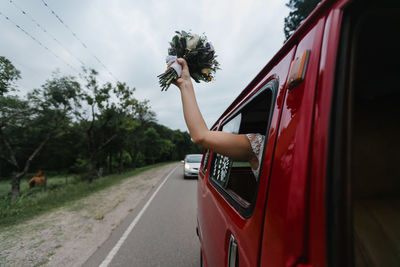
(117, 246)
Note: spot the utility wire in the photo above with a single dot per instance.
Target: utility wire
(45, 31)
(37, 41)
(79, 40)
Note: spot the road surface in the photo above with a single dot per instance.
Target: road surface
(161, 231)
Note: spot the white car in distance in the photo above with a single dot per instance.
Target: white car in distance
(191, 165)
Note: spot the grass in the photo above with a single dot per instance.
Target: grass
(35, 201)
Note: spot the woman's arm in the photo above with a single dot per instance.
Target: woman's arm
(235, 146)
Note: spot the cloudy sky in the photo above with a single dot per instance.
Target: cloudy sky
(128, 40)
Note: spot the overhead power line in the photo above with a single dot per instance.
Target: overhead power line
(78, 39)
(37, 41)
(47, 32)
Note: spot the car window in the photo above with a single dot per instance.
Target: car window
(194, 158)
(235, 179)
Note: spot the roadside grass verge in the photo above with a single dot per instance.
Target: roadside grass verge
(61, 190)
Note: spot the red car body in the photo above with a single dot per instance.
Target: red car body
(287, 226)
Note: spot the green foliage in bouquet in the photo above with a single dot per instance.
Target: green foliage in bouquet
(199, 55)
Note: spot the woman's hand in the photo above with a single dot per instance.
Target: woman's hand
(183, 81)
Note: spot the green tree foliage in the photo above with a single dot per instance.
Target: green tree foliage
(8, 74)
(300, 9)
(78, 127)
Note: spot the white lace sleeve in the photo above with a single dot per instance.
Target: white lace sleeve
(257, 144)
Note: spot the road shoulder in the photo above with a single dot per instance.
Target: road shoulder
(68, 236)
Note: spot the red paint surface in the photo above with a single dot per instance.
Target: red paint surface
(284, 242)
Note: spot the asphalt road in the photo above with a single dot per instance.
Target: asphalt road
(161, 231)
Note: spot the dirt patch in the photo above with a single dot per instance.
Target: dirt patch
(69, 235)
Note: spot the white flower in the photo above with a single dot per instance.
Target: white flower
(192, 42)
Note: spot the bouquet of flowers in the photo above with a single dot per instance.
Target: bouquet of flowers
(198, 53)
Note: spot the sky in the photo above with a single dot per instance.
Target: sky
(127, 40)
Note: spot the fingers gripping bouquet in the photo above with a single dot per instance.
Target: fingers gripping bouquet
(198, 53)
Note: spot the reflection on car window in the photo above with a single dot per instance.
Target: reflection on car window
(205, 161)
(223, 164)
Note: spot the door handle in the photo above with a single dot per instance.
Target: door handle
(233, 253)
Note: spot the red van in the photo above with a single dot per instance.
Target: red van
(328, 192)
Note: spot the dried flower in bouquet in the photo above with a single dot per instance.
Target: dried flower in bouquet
(198, 53)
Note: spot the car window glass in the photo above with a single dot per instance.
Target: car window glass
(194, 158)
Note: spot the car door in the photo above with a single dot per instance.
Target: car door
(231, 200)
(286, 219)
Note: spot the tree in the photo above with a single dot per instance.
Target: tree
(133, 145)
(26, 125)
(110, 114)
(151, 143)
(8, 74)
(96, 98)
(181, 141)
(131, 115)
(300, 10)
